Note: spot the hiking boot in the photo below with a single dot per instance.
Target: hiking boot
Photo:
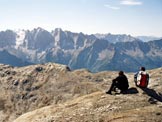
(108, 92)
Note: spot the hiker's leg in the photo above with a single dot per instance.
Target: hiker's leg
(123, 90)
(135, 81)
(113, 85)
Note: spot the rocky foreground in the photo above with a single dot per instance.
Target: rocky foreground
(52, 93)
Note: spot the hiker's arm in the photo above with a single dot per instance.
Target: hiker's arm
(116, 79)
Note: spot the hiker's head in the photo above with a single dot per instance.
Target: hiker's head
(142, 68)
(121, 73)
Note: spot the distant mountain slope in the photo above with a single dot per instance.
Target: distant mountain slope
(113, 38)
(7, 38)
(95, 52)
(137, 53)
(7, 58)
(148, 38)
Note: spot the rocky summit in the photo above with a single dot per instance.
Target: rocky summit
(54, 93)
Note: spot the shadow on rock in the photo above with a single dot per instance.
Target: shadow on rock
(152, 93)
(131, 91)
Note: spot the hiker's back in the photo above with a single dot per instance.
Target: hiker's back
(143, 79)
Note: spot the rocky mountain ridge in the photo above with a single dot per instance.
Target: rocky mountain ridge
(148, 38)
(53, 92)
(77, 50)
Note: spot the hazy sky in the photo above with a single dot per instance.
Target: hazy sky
(135, 17)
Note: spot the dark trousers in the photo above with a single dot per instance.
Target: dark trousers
(120, 86)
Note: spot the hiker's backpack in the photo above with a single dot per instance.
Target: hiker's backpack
(144, 80)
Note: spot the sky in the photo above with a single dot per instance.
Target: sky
(134, 17)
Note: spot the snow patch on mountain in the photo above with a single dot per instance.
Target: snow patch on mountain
(20, 36)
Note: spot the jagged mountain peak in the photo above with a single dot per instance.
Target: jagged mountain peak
(7, 38)
(58, 30)
(38, 29)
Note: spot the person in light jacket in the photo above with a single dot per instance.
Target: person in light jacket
(141, 78)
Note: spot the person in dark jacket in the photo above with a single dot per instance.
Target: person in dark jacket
(120, 82)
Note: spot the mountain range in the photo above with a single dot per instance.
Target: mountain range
(148, 38)
(96, 52)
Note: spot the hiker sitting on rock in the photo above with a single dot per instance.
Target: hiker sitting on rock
(141, 78)
(120, 82)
